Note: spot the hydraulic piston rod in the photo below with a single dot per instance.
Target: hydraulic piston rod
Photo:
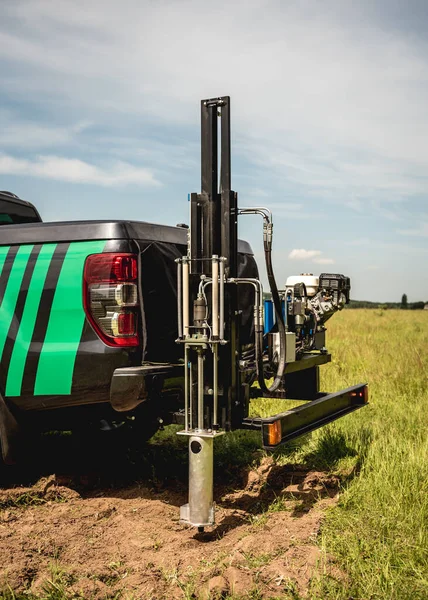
(215, 297)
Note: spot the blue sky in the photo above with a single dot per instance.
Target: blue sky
(99, 118)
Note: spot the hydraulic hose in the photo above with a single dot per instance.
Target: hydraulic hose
(267, 243)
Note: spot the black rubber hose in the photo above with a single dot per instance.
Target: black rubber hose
(281, 327)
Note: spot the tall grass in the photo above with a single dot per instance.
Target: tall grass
(379, 531)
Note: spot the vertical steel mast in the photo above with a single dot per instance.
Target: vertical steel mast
(211, 338)
(214, 225)
(214, 229)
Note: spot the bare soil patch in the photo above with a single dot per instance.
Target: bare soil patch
(127, 542)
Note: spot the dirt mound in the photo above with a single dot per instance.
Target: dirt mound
(47, 489)
(128, 543)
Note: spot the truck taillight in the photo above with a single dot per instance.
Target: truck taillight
(110, 297)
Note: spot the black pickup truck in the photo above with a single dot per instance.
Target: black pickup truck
(88, 321)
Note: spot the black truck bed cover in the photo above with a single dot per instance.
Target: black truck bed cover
(67, 231)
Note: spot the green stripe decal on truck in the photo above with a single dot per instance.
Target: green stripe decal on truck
(8, 302)
(3, 253)
(67, 317)
(29, 316)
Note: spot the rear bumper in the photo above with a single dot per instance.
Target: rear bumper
(283, 427)
(132, 385)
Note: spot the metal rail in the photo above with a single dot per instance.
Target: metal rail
(284, 427)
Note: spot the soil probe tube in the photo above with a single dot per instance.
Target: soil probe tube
(199, 512)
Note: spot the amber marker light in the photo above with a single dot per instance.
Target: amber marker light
(362, 394)
(274, 433)
(366, 394)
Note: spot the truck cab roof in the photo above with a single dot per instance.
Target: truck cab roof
(14, 211)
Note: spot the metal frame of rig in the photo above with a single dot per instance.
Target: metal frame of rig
(217, 377)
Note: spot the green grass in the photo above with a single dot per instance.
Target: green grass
(29, 498)
(54, 588)
(379, 531)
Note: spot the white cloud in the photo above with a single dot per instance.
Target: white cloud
(372, 245)
(332, 107)
(76, 171)
(15, 132)
(337, 83)
(420, 231)
(302, 254)
(323, 261)
(310, 255)
(254, 192)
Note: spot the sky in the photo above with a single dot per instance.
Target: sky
(100, 119)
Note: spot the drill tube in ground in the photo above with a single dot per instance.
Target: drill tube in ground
(201, 469)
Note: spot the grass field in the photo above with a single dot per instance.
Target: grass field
(379, 530)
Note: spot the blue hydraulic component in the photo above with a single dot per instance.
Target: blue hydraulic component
(269, 320)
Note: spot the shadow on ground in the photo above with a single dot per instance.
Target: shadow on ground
(90, 461)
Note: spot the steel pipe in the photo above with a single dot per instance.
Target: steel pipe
(186, 388)
(179, 299)
(258, 313)
(185, 262)
(200, 389)
(221, 294)
(190, 394)
(215, 298)
(215, 386)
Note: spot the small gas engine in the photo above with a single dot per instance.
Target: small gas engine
(307, 302)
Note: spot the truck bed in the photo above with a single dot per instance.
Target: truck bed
(65, 231)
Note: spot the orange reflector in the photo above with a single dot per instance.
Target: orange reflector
(366, 393)
(363, 394)
(274, 433)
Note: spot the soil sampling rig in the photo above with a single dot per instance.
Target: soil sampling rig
(286, 344)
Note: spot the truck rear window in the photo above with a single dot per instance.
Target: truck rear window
(13, 213)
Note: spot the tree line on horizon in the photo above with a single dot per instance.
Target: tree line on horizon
(404, 304)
